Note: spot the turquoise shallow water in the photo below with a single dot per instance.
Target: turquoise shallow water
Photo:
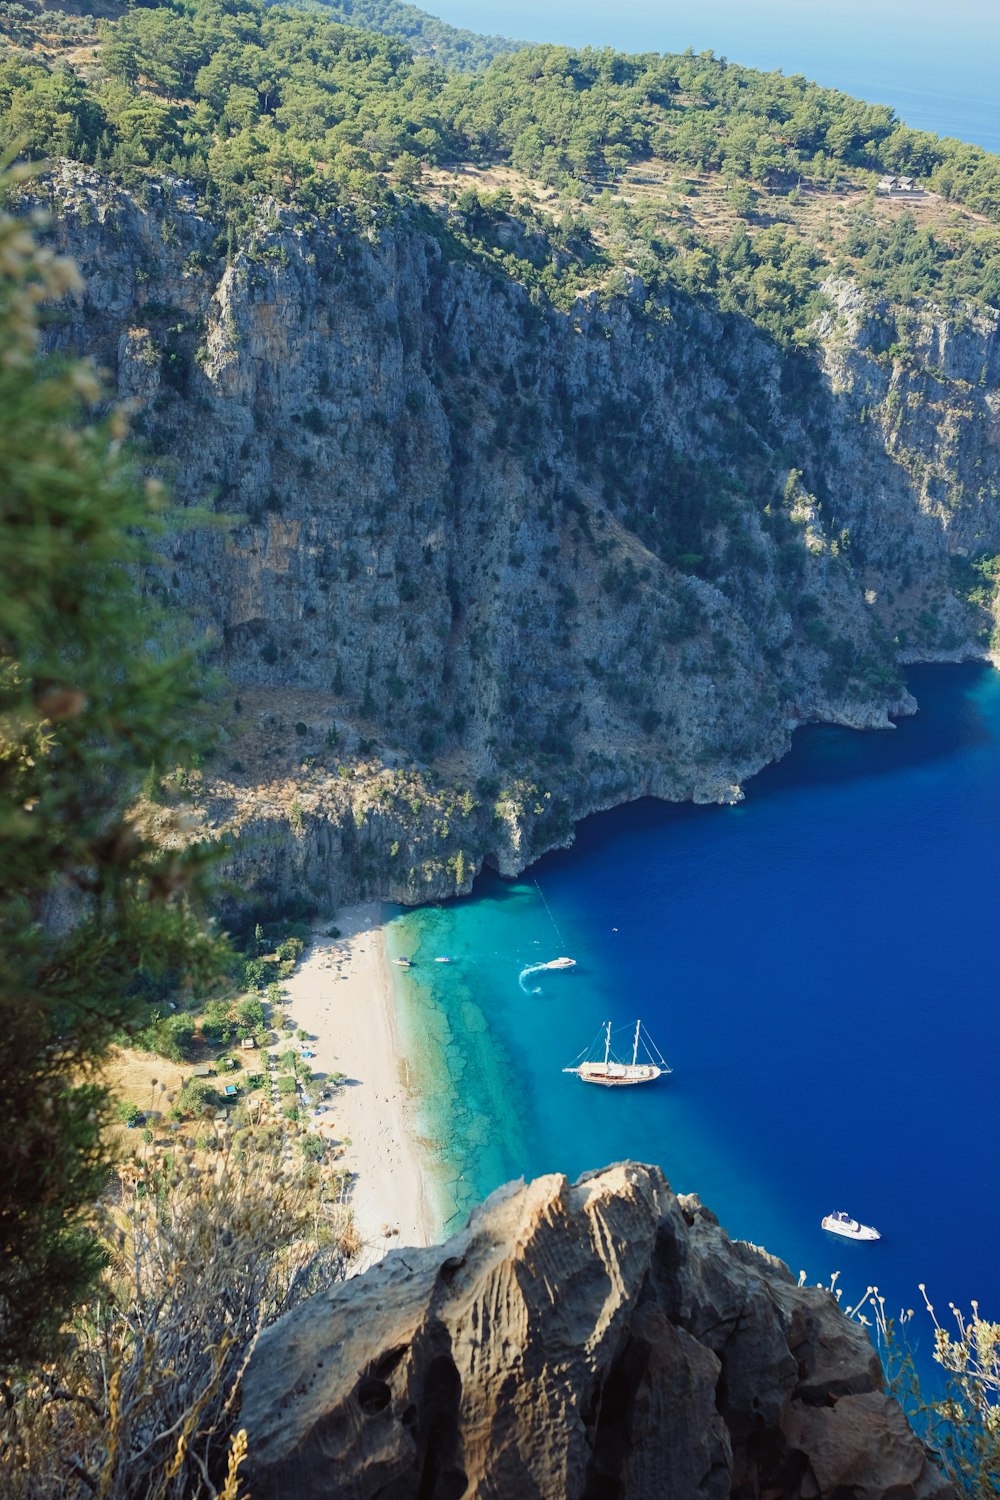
(817, 964)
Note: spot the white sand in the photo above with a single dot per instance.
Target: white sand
(341, 993)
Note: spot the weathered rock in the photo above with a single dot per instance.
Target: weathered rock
(562, 557)
(576, 1342)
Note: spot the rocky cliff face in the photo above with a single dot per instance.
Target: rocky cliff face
(576, 1343)
(494, 565)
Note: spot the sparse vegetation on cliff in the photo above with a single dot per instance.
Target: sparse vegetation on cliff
(610, 160)
(961, 1425)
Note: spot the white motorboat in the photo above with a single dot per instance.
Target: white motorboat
(553, 963)
(841, 1223)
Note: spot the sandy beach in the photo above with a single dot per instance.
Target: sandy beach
(341, 994)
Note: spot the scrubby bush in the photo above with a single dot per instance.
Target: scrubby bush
(961, 1424)
(142, 1400)
(290, 949)
(171, 1037)
(196, 1098)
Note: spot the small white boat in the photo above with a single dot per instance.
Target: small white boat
(559, 963)
(405, 963)
(443, 959)
(610, 1070)
(841, 1223)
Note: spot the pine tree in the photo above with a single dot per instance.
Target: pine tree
(91, 911)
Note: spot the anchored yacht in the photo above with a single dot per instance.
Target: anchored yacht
(611, 1070)
(841, 1223)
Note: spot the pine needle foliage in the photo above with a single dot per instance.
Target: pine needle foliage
(90, 696)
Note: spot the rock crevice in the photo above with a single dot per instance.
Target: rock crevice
(578, 1342)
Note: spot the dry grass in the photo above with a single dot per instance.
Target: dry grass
(960, 1424)
(698, 201)
(144, 1079)
(144, 1403)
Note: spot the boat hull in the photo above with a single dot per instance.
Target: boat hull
(622, 1076)
(851, 1230)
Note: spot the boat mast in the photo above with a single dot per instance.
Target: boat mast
(607, 1042)
(635, 1044)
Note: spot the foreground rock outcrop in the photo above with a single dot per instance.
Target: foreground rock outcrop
(576, 1342)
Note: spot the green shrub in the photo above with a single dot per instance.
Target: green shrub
(290, 949)
(171, 1037)
(196, 1098)
(256, 973)
(250, 1013)
(217, 1023)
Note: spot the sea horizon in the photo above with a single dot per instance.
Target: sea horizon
(938, 74)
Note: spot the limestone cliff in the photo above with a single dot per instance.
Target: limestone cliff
(576, 1343)
(494, 565)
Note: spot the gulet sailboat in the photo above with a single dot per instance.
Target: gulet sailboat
(611, 1070)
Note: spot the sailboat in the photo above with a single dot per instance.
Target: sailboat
(610, 1070)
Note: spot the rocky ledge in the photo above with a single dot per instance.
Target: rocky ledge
(594, 1340)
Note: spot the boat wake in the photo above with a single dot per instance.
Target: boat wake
(553, 963)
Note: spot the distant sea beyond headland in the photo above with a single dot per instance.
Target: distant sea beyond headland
(936, 65)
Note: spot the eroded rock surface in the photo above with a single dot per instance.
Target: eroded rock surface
(578, 1342)
(491, 564)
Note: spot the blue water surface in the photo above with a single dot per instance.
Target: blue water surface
(818, 964)
(937, 65)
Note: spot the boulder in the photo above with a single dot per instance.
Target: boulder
(577, 1342)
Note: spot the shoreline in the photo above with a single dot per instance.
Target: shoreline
(343, 995)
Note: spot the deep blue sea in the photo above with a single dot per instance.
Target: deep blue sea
(818, 965)
(936, 64)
